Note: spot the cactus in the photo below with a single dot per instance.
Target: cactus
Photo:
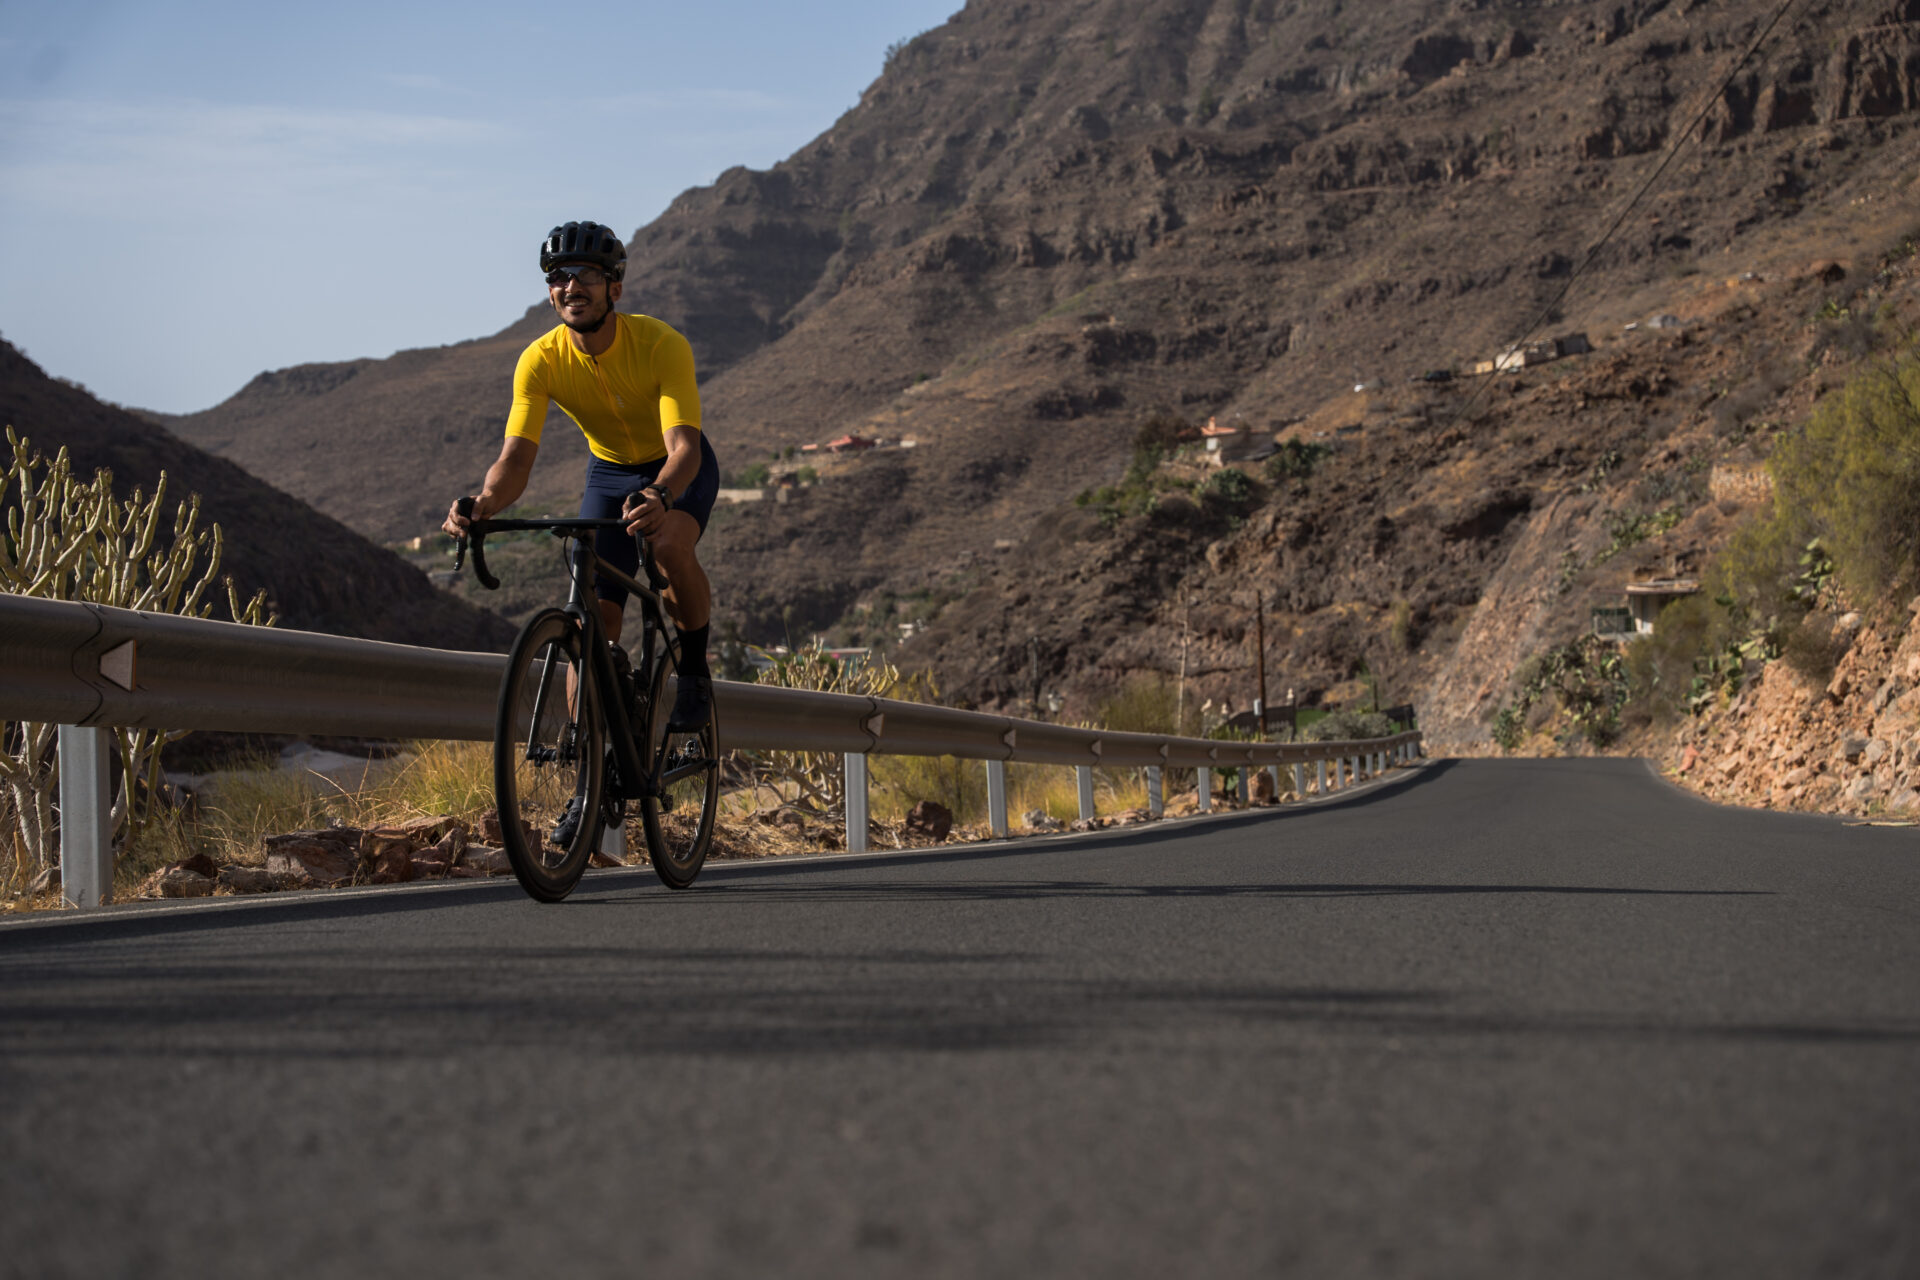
(67, 539)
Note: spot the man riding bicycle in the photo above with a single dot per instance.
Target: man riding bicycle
(627, 381)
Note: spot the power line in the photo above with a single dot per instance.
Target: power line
(1679, 141)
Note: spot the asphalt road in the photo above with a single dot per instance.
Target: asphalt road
(1492, 1019)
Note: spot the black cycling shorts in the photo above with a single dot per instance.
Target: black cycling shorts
(609, 483)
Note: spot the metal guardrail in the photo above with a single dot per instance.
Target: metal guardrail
(92, 666)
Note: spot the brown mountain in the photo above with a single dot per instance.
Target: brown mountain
(320, 575)
(1044, 225)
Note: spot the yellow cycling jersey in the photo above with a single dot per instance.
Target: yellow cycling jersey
(624, 401)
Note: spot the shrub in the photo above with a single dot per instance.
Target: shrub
(1149, 703)
(1231, 488)
(1296, 460)
(752, 476)
(1851, 478)
(1586, 679)
(1348, 726)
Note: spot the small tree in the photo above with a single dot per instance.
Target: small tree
(66, 539)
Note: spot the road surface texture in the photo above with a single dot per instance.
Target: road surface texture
(1490, 1019)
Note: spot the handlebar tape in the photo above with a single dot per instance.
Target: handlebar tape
(477, 536)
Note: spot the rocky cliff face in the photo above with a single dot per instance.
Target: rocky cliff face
(1043, 224)
(1849, 744)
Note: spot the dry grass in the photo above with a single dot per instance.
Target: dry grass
(242, 806)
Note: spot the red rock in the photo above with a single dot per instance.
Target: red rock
(487, 859)
(177, 882)
(1688, 759)
(929, 819)
(388, 855)
(200, 864)
(237, 879)
(315, 858)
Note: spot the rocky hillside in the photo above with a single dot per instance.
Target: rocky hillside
(1850, 742)
(320, 575)
(1044, 225)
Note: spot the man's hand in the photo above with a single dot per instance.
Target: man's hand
(455, 523)
(643, 512)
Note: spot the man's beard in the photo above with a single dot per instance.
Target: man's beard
(595, 327)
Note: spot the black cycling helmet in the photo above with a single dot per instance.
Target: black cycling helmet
(584, 242)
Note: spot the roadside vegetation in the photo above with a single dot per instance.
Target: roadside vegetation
(1842, 533)
(71, 539)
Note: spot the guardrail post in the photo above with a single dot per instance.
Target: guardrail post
(1084, 775)
(1156, 796)
(1273, 773)
(86, 817)
(997, 798)
(1320, 769)
(1205, 781)
(856, 802)
(1299, 783)
(1243, 792)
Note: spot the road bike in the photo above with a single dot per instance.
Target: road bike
(579, 718)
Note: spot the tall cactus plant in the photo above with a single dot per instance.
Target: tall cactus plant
(68, 539)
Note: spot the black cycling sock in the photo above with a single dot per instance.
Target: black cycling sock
(693, 652)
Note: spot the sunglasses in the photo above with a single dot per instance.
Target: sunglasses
(586, 275)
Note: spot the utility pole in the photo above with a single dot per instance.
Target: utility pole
(1180, 700)
(1260, 659)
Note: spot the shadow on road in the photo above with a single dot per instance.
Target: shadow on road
(436, 1003)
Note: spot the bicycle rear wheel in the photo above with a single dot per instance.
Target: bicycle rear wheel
(678, 817)
(548, 750)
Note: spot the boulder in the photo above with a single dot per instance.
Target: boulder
(487, 859)
(177, 882)
(448, 847)
(1087, 824)
(430, 868)
(1262, 787)
(388, 854)
(1876, 751)
(200, 864)
(1040, 820)
(238, 879)
(1850, 748)
(1861, 789)
(929, 820)
(308, 859)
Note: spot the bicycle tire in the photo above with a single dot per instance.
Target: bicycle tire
(678, 819)
(545, 753)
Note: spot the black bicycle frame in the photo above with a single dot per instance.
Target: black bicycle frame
(585, 565)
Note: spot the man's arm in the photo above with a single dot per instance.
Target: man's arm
(506, 481)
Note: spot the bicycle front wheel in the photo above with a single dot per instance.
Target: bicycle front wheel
(547, 754)
(678, 814)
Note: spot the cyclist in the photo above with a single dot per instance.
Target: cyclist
(627, 381)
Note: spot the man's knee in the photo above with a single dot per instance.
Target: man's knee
(673, 544)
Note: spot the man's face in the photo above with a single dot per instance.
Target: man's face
(584, 295)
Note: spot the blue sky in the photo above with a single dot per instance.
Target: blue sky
(193, 192)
